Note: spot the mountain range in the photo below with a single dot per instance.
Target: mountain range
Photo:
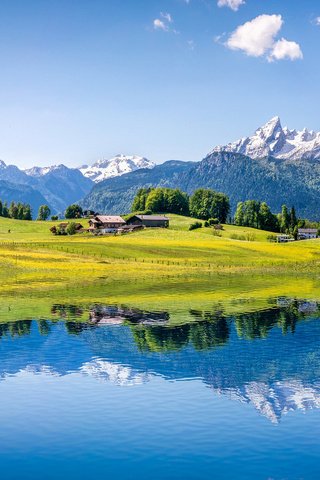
(59, 186)
(272, 140)
(114, 167)
(275, 164)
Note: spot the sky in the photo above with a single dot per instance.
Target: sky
(82, 80)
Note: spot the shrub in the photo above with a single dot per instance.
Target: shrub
(195, 225)
(213, 221)
(71, 228)
(54, 218)
(216, 233)
(206, 224)
(272, 238)
(250, 237)
(235, 236)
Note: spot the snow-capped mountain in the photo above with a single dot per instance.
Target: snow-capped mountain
(275, 141)
(41, 171)
(114, 167)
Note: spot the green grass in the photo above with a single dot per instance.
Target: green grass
(137, 264)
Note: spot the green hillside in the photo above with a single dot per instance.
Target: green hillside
(153, 268)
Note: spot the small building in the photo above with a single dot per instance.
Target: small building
(130, 228)
(283, 238)
(160, 221)
(307, 233)
(105, 224)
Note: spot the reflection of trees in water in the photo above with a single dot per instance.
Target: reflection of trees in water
(15, 329)
(258, 324)
(67, 310)
(152, 332)
(212, 329)
(44, 327)
(75, 328)
(159, 339)
(202, 336)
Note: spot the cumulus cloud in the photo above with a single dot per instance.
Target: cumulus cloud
(317, 21)
(284, 49)
(233, 4)
(257, 38)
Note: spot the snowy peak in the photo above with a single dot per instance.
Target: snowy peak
(115, 167)
(271, 130)
(273, 140)
(42, 171)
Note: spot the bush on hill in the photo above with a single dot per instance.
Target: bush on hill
(195, 225)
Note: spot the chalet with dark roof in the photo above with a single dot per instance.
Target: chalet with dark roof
(160, 221)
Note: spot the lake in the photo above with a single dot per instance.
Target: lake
(113, 391)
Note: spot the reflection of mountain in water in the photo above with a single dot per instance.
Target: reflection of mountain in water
(276, 399)
(270, 359)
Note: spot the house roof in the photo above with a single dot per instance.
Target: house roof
(152, 217)
(109, 219)
(307, 230)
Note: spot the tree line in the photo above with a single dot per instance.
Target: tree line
(209, 205)
(18, 211)
(202, 204)
(252, 213)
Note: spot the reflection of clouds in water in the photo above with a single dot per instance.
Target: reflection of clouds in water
(275, 400)
(115, 373)
(33, 370)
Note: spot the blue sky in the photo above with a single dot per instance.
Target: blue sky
(167, 79)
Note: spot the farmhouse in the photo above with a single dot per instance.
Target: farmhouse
(149, 221)
(283, 238)
(307, 233)
(105, 223)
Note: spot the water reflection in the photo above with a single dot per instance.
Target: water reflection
(269, 359)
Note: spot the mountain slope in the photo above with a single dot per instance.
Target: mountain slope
(62, 186)
(268, 179)
(115, 195)
(58, 186)
(115, 167)
(21, 193)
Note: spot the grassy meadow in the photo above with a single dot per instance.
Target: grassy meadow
(152, 268)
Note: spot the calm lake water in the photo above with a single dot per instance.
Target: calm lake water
(125, 395)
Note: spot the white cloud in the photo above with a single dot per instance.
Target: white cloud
(233, 4)
(284, 49)
(317, 21)
(159, 25)
(257, 38)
